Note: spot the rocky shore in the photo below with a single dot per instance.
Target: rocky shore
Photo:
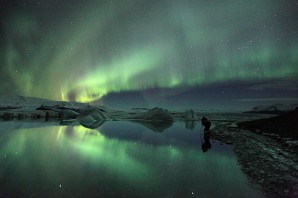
(270, 165)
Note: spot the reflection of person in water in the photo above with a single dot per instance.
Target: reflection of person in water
(206, 145)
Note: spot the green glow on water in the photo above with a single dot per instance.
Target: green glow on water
(80, 159)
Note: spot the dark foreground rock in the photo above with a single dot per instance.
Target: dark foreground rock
(270, 165)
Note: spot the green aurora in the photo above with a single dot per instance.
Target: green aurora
(83, 51)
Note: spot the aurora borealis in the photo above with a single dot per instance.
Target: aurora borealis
(91, 50)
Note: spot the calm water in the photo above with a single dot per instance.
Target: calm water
(118, 159)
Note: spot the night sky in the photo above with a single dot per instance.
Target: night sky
(215, 54)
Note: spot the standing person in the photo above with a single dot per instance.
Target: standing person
(206, 124)
(206, 145)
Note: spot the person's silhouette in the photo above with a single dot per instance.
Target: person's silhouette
(206, 124)
(206, 145)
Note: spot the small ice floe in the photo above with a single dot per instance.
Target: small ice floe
(233, 125)
(190, 115)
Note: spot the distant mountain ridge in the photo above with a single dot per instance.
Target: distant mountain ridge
(272, 109)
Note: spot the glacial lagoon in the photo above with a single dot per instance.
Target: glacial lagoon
(117, 159)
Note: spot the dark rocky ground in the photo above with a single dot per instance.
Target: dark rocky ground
(283, 126)
(269, 159)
